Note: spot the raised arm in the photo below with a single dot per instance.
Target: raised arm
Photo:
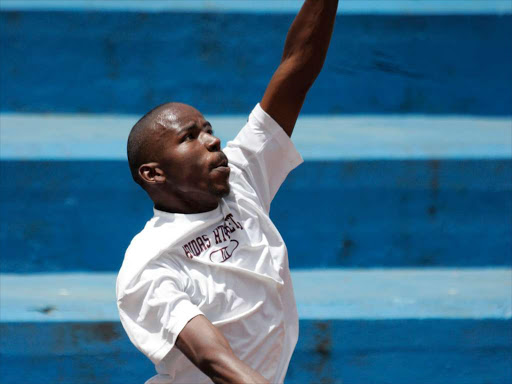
(206, 347)
(303, 57)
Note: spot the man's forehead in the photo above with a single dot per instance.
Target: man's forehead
(178, 115)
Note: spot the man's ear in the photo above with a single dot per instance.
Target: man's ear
(151, 173)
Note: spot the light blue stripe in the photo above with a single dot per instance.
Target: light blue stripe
(99, 137)
(268, 6)
(404, 293)
(321, 294)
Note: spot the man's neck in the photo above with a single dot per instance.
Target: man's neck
(189, 205)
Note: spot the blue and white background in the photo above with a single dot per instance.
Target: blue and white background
(398, 225)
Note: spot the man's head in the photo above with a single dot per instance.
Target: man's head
(174, 156)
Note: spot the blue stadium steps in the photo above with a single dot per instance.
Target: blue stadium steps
(398, 224)
(426, 191)
(360, 326)
(105, 60)
(81, 215)
(471, 351)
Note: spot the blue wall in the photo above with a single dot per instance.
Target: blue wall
(334, 352)
(128, 62)
(451, 211)
(81, 215)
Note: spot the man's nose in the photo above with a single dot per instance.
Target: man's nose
(211, 142)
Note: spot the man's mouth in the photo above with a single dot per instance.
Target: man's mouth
(222, 165)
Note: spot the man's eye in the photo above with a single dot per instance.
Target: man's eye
(189, 136)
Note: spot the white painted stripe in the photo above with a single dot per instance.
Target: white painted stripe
(268, 6)
(372, 294)
(65, 137)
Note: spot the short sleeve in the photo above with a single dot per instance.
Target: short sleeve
(154, 311)
(264, 153)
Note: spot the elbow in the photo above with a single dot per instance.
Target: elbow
(215, 362)
(222, 367)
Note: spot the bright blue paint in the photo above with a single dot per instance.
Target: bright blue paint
(266, 6)
(128, 62)
(374, 294)
(403, 352)
(458, 329)
(98, 137)
(81, 215)
(386, 213)
(436, 351)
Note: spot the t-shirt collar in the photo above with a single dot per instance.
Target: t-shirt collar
(187, 217)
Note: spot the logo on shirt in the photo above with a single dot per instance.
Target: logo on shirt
(221, 235)
(224, 253)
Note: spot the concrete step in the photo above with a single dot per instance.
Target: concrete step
(322, 294)
(385, 56)
(357, 326)
(410, 7)
(406, 182)
(331, 214)
(33, 136)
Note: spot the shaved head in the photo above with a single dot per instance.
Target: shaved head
(174, 156)
(143, 144)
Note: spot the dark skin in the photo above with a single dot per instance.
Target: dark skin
(191, 176)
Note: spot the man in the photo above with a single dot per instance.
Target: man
(205, 289)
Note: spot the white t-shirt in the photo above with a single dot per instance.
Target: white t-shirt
(229, 264)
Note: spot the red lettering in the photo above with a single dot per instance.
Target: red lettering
(187, 251)
(195, 248)
(226, 231)
(236, 223)
(207, 241)
(217, 236)
(200, 243)
(230, 229)
(220, 228)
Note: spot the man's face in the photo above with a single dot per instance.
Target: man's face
(191, 158)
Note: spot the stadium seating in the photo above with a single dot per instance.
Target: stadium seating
(398, 224)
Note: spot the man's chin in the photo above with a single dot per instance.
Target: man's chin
(220, 190)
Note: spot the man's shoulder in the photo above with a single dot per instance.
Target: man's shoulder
(154, 240)
(156, 236)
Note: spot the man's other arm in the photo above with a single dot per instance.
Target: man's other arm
(207, 348)
(303, 57)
